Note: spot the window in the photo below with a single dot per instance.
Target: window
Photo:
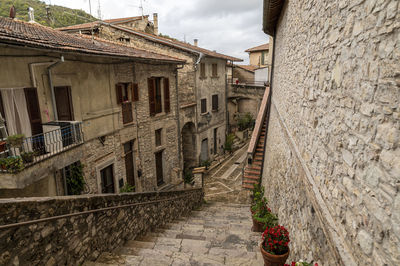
(203, 106)
(135, 92)
(202, 70)
(127, 116)
(107, 179)
(215, 102)
(156, 95)
(71, 182)
(158, 133)
(122, 92)
(263, 58)
(214, 70)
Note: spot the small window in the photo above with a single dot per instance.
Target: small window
(155, 97)
(214, 70)
(202, 70)
(158, 133)
(135, 92)
(122, 92)
(203, 106)
(262, 58)
(215, 102)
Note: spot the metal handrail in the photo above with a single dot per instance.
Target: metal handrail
(41, 146)
(57, 217)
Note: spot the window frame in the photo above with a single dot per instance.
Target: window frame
(215, 105)
(203, 105)
(214, 67)
(203, 70)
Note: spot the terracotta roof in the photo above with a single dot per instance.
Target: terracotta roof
(177, 44)
(261, 47)
(250, 68)
(37, 36)
(95, 24)
(272, 11)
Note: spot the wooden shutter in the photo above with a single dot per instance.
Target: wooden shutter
(215, 102)
(135, 92)
(152, 101)
(214, 70)
(127, 116)
(118, 89)
(202, 70)
(203, 106)
(167, 104)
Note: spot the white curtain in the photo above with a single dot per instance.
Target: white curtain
(16, 112)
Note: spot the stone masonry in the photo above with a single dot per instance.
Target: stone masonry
(98, 223)
(332, 166)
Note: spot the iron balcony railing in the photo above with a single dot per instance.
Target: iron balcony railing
(63, 136)
(251, 83)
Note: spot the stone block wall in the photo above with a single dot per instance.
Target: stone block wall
(336, 86)
(97, 224)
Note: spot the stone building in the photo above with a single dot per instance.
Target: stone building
(202, 83)
(110, 107)
(243, 73)
(260, 55)
(140, 23)
(332, 156)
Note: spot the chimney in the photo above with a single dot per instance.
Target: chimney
(12, 12)
(31, 15)
(196, 42)
(155, 22)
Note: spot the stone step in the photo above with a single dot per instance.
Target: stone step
(251, 177)
(252, 172)
(248, 186)
(247, 181)
(253, 167)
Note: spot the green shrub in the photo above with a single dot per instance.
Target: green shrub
(127, 188)
(205, 163)
(16, 140)
(76, 182)
(229, 142)
(245, 121)
(12, 164)
(188, 177)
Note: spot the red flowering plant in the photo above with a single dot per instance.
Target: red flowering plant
(301, 263)
(276, 240)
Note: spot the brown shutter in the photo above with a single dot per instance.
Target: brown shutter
(127, 116)
(135, 92)
(152, 101)
(215, 102)
(167, 104)
(118, 89)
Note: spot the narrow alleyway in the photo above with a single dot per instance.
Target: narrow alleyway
(224, 183)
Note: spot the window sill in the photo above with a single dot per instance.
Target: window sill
(204, 114)
(215, 77)
(129, 124)
(215, 110)
(202, 77)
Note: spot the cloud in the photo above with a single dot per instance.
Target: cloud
(229, 27)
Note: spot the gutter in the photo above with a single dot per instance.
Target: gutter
(53, 96)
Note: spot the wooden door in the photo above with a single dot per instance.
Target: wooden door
(129, 166)
(215, 140)
(204, 150)
(107, 180)
(159, 168)
(64, 103)
(32, 103)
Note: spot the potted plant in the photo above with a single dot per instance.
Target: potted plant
(12, 164)
(263, 217)
(275, 246)
(28, 157)
(127, 188)
(16, 140)
(301, 263)
(256, 196)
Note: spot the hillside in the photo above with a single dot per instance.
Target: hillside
(59, 16)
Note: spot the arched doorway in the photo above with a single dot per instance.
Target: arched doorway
(189, 145)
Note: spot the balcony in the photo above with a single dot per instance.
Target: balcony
(58, 137)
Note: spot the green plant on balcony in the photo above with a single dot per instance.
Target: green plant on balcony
(76, 182)
(16, 140)
(261, 213)
(127, 188)
(229, 142)
(28, 157)
(12, 164)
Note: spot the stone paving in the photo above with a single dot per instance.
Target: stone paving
(219, 233)
(224, 183)
(216, 234)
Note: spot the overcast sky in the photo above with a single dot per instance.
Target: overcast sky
(229, 27)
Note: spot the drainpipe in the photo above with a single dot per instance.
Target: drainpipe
(178, 118)
(53, 96)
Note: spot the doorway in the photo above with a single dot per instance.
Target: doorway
(159, 168)
(129, 164)
(64, 103)
(107, 179)
(215, 140)
(204, 150)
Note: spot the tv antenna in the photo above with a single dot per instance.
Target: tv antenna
(140, 6)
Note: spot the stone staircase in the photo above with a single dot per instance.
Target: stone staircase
(216, 234)
(252, 172)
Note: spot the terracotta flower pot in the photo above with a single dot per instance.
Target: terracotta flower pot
(257, 226)
(273, 260)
